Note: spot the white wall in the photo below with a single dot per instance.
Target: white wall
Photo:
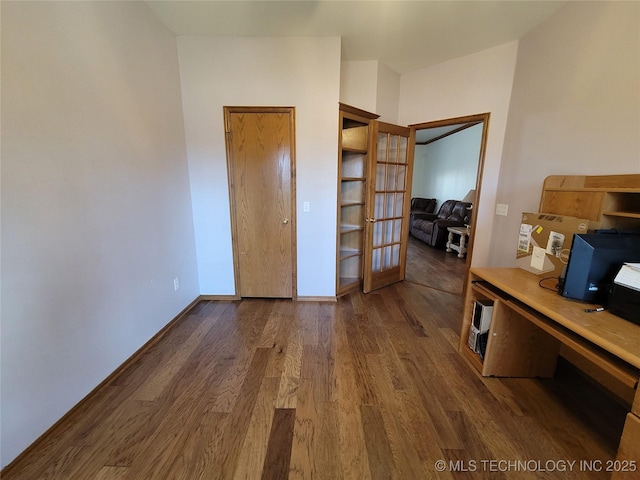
(473, 84)
(387, 94)
(575, 107)
(96, 214)
(359, 84)
(371, 86)
(276, 71)
(447, 168)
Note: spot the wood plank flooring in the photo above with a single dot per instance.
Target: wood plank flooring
(434, 268)
(370, 387)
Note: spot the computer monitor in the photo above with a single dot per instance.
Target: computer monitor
(594, 261)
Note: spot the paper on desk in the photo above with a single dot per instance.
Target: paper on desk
(537, 259)
(629, 276)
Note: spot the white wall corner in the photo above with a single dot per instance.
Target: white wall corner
(359, 84)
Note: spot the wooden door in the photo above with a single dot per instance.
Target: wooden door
(260, 156)
(388, 205)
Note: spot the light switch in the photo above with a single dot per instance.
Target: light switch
(502, 209)
(306, 207)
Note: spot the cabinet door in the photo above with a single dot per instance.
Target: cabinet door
(388, 202)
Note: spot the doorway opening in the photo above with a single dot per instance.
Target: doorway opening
(453, 178)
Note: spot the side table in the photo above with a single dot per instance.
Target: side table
(461, 248)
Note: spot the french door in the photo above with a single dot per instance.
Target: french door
(388, 204)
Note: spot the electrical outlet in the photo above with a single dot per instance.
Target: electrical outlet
(176, 284)
(306, 207)
(502, 209)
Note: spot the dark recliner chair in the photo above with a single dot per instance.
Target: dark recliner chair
(431, 228)
(421, 205)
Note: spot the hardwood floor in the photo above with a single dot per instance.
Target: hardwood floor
(370, 387)
(434, 268)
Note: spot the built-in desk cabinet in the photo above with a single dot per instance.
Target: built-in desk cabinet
(608, 202)
(530, 326)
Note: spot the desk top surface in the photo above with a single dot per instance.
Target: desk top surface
(610, 332)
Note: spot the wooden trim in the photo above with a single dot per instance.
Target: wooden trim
(444, 135)
(232, 211)
(317, 299)
(479, 117)
(294, 210)
(357, 111)
(392, 129)
(220, 298)
(89, 396)
(406, 212)
(266, 109)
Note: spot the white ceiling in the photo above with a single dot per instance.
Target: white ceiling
(404, 35)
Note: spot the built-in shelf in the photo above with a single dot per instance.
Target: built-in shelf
(349, 282)
(350, 228)
(354, 139)
(349, 252)
(607, 201)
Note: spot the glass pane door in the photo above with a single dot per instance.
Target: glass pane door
(388, 197)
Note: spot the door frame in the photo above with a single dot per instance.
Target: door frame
(477, 118)
(291, 112)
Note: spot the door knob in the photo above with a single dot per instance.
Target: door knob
(285, 221)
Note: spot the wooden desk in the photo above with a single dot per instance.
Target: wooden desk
(531, 326)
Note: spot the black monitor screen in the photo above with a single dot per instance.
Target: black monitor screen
(594, 261)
